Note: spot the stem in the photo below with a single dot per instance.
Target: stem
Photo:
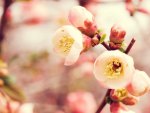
(3, 21)
(103, 43)
(102, 105)
(130, 46)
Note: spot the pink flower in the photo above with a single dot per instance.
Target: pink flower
(140, 83)
(83, 20)
(81, 102)
(117, 34)
(119, 108)
(114, 69)
(32, 12)
(68, 43)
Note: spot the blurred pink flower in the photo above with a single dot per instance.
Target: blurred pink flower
(31, 12)
(140, 83)
(114, 69)
(81, 102)
(68, 43)
(119, 108)
(83, 20)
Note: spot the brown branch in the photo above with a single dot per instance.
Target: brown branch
(7, 3)
(102, 105)
(130, 46)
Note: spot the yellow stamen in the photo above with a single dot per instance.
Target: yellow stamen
(113, 69)
(65, 44)
(121, 93)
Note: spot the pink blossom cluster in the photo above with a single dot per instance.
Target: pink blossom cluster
(114, 69)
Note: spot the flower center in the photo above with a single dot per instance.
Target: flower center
(65, 44)
(113, 69)
(121, 93)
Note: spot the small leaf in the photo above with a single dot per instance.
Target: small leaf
(14, 93)
(102, 38)
(11, 89)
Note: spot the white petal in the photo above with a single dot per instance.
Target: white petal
(73, 55)
(114, 83)
(140, 83)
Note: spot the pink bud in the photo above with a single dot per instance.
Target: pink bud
(130, 100)
(83, 20)
(117, 34)
(140, 83)
(78, 15)
(81, 102)
(119, 108)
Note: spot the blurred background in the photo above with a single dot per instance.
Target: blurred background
(40, 73)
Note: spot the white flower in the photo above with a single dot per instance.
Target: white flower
(140, 83)
(114, 69)
(68, 42)
(79, 15)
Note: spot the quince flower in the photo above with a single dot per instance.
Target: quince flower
(68, 43)
(140, 83)
(81, 18)
(114, 69)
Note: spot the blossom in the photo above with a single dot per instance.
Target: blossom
(140, 83)
(81, 102)
(83, 20)
(32, 12)
(114, 69)
(68, 43)
(119, 108)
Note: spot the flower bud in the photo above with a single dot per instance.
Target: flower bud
(83, 20)
(117, 34)
(130, 100)
(78, 15)
(140, 84)
(117, 107)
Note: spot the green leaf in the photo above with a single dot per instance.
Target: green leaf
(11, 89)
(102, 38)
(14, 93)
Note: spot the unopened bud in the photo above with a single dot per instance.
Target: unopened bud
(130, 100)
(117, 34)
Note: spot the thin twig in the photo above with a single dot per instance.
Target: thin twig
(103, 43)
(130, 46)
(103, 101)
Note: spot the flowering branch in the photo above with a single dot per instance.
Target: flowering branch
(104, 102)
